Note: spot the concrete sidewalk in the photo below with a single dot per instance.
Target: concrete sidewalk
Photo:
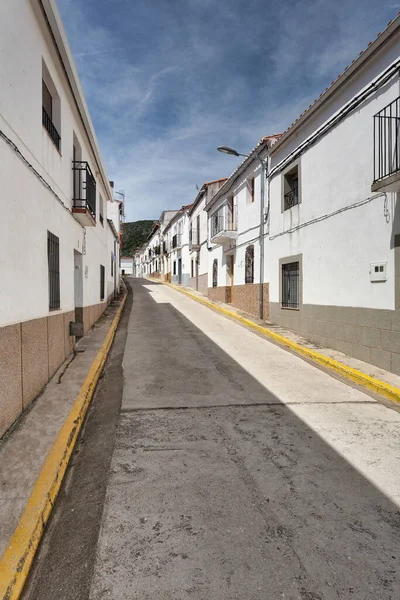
(24, 448)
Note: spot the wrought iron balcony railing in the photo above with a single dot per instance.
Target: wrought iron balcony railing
(224, 221)
(387, 141)
(84, 187)
(291, 198)
(51, 129)
(176, 240)
(194, 238)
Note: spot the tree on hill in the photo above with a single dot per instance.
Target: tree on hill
(134, 235)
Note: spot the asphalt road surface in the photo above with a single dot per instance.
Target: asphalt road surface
(214, 465)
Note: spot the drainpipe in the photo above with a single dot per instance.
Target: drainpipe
(264, 175)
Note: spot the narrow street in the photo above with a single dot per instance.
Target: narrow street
(214, 465)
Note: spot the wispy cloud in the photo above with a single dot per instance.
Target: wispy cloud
(166, 83)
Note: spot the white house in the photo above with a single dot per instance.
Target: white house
(176, 236)
(198, 236)
(54, 235)
(332, 255)
(235, 239)
(126, 263)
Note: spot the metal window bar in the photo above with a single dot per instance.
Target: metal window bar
(249, 264)
(102, 282)
(84, 187)
(51, 129)
(290, 285)
(387, 141)
(215, 273)
(292, 196)
(53, 259)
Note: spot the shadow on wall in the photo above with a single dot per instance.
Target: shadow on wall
(323, 529)
(396, 220)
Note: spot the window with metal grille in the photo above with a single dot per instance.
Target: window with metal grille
(53, 259)
(215, 273)
(192, 268)
(174, 268)
(249, 264)
(290, 285)
(112, 265)
(102, 282)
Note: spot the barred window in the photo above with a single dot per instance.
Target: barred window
(53, 259)
(215, 273)
(174, 267)
(290, 285)
(102, 282)
(249, 264)
(112, 265)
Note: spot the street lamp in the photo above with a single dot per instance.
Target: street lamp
(264, 174)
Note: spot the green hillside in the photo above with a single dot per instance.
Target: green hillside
(134, 235)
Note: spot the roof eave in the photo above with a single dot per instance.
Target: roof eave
(54, 20)
(342, 80)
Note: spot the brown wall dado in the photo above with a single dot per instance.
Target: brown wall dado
(247, 298)
(88, 315)
(30, 354)
(243, 297)
(371, 335)
(202, 283)
(220, 294)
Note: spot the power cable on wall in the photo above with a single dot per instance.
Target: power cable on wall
(323, 218)
(329, 215)
(38, 175)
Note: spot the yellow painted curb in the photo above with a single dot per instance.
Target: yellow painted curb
(362, 379)
(18, 556)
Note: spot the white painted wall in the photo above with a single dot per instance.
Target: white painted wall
(29, 210)
(336, 172)
(126, 265)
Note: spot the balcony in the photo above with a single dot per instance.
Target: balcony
(84, 198)
(164, 248)
(387, 148)
(223, 225)
(157, 250)
(176, 241)
(194, 239)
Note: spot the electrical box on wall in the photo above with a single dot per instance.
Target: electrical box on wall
(377, 271)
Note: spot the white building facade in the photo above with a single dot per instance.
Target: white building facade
(234, 216)
(55, 254)
(198, 236)
(176, 236)
(332, 253)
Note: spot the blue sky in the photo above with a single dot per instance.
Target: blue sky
(168, 81)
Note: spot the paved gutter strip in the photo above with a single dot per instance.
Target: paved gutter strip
(18, 556)
(354, 375)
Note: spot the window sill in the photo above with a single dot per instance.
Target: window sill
(290, 308)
